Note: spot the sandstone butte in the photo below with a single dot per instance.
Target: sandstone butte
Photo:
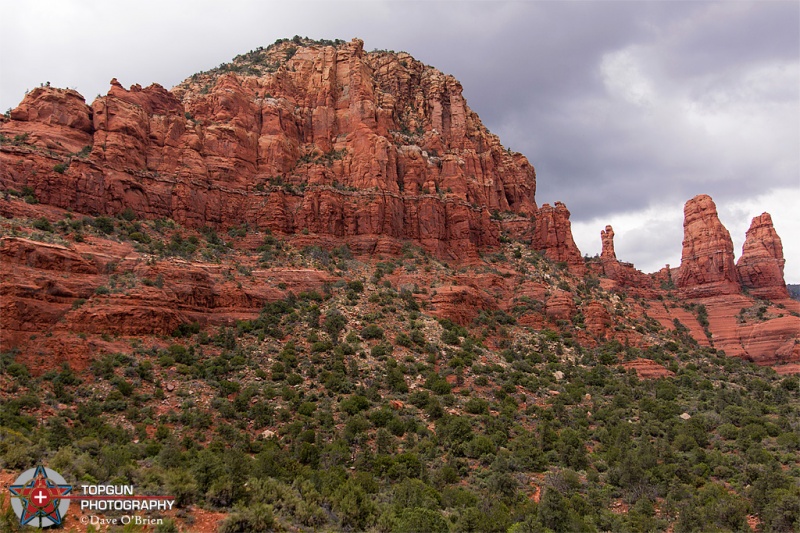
(334, 140)
(707, 263)
(328, 144)
(761, 264)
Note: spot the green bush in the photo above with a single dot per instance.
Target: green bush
(42, 224)
(355, 286)
(450, 337)
(256, 518)
(476, 406)
(354, 404)
(104, 225)
(418, 519)
(372, 332)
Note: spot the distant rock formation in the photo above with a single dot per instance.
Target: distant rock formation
(553, 237)
(624, 274)
(761, 264)
(607, 238)
(707, 265)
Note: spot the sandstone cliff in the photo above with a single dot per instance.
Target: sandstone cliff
(300, 136)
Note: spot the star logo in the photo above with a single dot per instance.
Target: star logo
(38, 497)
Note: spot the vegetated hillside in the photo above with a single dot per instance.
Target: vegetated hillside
(297, 376)
(352, 401)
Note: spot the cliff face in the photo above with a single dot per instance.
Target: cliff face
(707, 266)
(331, 139)
(761, 264)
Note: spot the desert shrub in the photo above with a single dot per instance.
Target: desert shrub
(372, 332)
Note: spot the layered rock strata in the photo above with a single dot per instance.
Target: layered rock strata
(761, 264)
(553, 237)
(300, 136)
(330, 144)
(707, 266)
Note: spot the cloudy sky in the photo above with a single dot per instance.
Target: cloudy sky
(626, 109)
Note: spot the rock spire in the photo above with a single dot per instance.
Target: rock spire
(707, 265)
(761, 264)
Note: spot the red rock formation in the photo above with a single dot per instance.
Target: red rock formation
(460, 303)
(44, 256)
(665, 278)
(707, 267)
(767, 338)
(559, 305)
(647, 369)
(49, 293)
(354, 145)
(553, 237)
(611, 268)
(55, 107)
(371, 149)
(607, 238)
(761, 263)
(624, 274)
(787, 369)
(598, 320)
(57, 120)
(667, 314)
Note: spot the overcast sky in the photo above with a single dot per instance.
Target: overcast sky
(626, 109)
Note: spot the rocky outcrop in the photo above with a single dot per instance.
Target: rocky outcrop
(44, 256)
(607, 239)
(52, 296)
(57, 121)
(597, 320)
(55, 107)
(300, 136)
(707, 266)
(559, 305)
(753, 329)
(761, 264)
(624, 274)
(460, 303)
(665, 277)
(553, 237)
(324, 145)
(647, 369)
